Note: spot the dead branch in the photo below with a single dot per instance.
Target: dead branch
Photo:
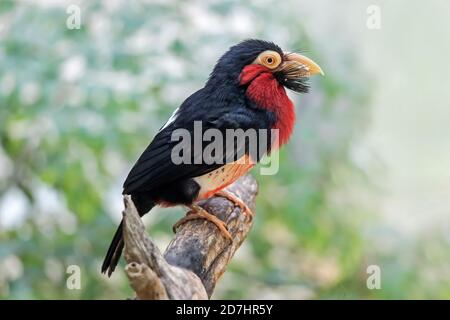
(197, 256)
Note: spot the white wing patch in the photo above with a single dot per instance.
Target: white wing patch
(172, 118)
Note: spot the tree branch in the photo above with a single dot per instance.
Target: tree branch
(196, 257)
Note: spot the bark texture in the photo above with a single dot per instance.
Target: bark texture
(197, 256)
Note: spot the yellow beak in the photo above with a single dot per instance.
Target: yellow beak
(297, 65)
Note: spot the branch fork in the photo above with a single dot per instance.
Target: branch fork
(197, 256)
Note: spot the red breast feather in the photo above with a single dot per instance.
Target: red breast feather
(268, 93)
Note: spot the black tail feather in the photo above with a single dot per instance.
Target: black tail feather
(114, 252)
(143, 205)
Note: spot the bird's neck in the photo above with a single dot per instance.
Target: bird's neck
(264, 90)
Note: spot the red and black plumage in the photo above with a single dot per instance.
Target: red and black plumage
(242, 93)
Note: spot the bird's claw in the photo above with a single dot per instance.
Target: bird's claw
(198, 212)
(238, 202)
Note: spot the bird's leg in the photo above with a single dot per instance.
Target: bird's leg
(238, 202)
(200, 213)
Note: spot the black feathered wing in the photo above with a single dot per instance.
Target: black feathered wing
(155, 167)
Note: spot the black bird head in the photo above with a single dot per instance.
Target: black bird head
(290, 69)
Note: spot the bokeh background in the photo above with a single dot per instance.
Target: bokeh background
(364, 181)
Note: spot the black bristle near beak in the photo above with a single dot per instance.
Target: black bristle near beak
(292, 82)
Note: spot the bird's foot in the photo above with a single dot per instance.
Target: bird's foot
(200, 213)
(238, 202)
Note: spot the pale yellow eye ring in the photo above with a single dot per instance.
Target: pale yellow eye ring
(270, 59)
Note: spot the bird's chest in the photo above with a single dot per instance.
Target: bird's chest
(267, 93)
(222, 177)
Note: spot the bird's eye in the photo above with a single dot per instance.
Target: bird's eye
(269, 59)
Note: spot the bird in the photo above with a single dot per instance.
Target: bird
(245, 90)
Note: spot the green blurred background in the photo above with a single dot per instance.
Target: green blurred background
(364, 181)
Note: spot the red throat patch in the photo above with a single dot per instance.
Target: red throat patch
(265, 90)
